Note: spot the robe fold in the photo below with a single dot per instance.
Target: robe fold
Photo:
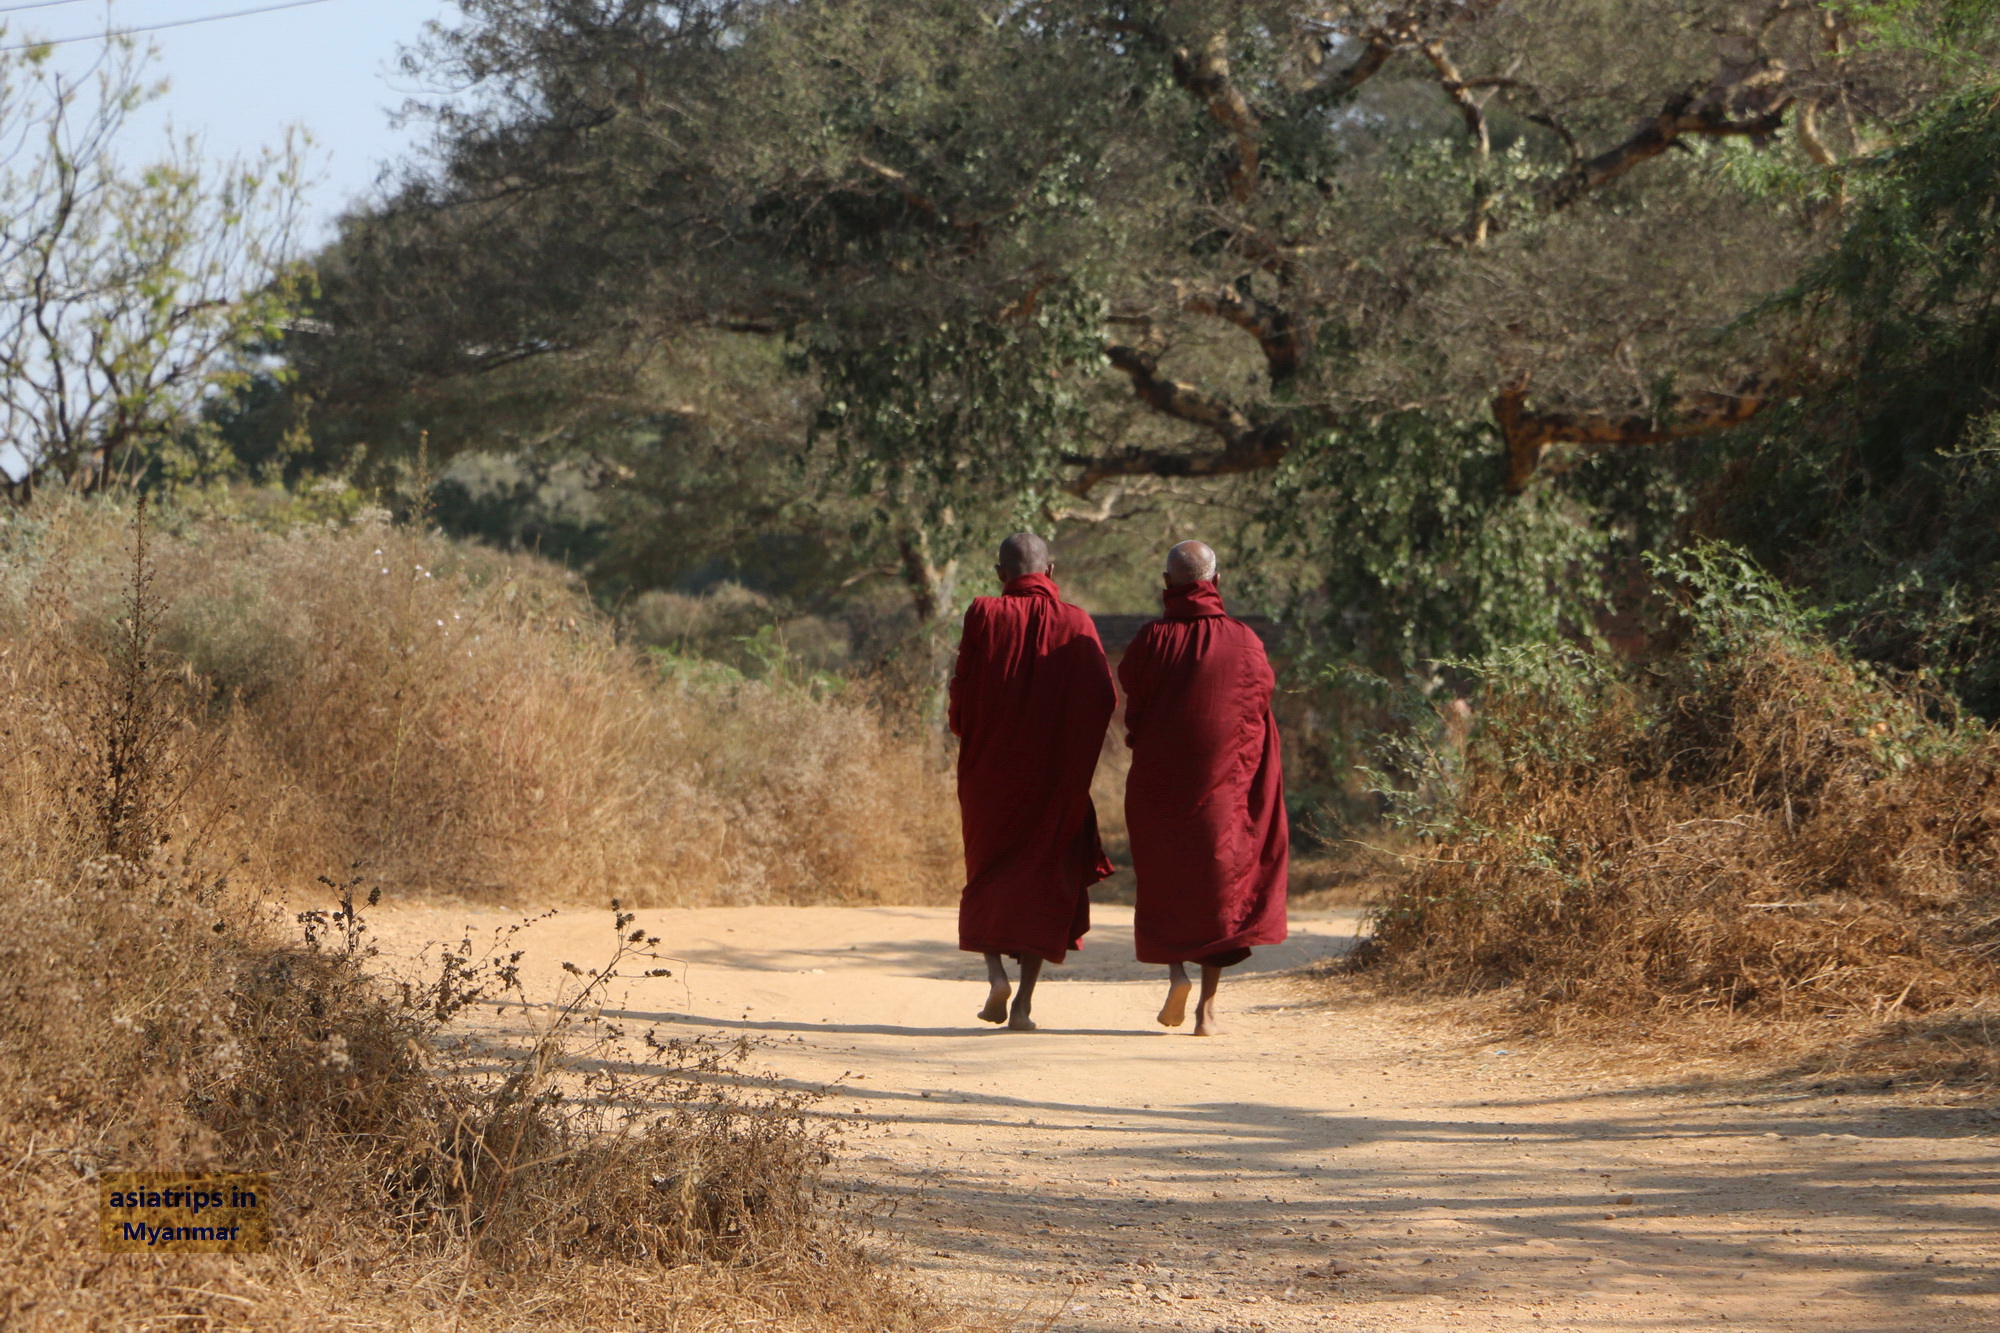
(1030, 700)
(1205, 802)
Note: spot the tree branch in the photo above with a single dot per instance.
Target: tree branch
(1528, 434)
(1246, 446)
(1807, 127)
(1283, 341)
(1206, 75)
(1172, 398)
(1460, 93)
(912, 196)
(1373, 56)
(1478, 225)
(1686, 113)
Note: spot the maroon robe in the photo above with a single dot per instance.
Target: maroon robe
(1205, 802)
(1030, 701)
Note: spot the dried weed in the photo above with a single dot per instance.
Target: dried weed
(1757, 843)
(160, 1015)
(460, 722)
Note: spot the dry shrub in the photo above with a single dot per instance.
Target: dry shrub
(738, 626)
(457, 721)
(1756, 827)
(157, 1016)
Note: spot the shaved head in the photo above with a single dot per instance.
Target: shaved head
(1190, 562)
(1023, 553)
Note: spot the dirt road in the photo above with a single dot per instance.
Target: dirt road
(1317, 1166)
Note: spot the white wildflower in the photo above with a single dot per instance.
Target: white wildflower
(336, 1053)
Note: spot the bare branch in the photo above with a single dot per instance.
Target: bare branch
(1173, 398)
(1205, 73)
(1373, 56)
(1807, 127)
(1246, 446)
(1474, 114)
(1460, 93)
(1529, 434)
(1280, 336)
(1686, 113)
(912, 196)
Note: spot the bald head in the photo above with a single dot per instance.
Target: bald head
(1190, 562)
(1023, 553)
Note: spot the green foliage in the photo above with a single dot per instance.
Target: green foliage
(1951, 29)
(810, 297)
(1876, 493)
(1730, 602)
(1394, 549)
(1553, 708)
(960, 430)
(1554, 695)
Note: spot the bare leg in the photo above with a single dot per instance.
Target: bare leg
(1204, 1011)
(996, 1002)
(1174, 1012)
(1031, 971)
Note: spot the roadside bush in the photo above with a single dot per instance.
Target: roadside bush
(161, 1015)
(458, 721)
(1755, 825)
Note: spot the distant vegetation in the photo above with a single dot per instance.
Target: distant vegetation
(462, 722)
(1438, 318)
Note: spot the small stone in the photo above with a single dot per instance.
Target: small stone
(1624, 1201)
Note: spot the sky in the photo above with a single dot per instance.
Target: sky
(329, 67)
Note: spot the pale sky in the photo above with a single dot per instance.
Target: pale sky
(329, 67)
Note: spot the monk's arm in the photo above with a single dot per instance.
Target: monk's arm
(1267, 679)
(968, 648)
(1100, 675)
(1135, 678)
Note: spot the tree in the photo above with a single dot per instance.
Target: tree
(1022, 248)
(124, 293)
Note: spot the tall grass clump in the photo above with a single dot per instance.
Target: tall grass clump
(162, 1014)
(457, 721)
(1755, 826)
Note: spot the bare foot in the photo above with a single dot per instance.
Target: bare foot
(996, 1006)
(1174, 1012)
(1019, 1021)
(1204, 1021)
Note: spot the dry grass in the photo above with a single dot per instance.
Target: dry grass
(1758, 840)
(453, 721)
(160, 1015)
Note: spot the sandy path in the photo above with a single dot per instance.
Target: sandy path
(1317, 1166)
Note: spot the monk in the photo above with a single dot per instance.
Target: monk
(1030, 701)
(1205, 802)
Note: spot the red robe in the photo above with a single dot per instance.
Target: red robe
(1205, 802)
(1030, 701)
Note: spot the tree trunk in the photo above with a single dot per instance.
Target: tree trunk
(932, 586)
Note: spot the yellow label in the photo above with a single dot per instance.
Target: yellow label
(184, 1212)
